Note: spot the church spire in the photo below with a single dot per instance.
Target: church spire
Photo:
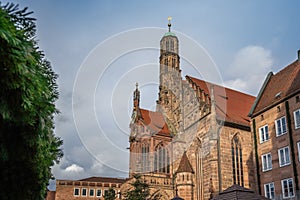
(169, 24)
(136, 97)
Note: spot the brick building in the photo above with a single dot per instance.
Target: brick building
(89, 188)
(275, 118)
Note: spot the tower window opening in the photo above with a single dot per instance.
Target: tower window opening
(167, 45)
(172, 45)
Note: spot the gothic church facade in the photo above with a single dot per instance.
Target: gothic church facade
(197, 142)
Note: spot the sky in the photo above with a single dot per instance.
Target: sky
(101, 48)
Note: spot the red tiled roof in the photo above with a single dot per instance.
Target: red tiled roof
(103, 180)
(231, 106)
(185, 165)
(155, 121)
(277, 87)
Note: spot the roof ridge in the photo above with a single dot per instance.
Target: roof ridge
(225, 87)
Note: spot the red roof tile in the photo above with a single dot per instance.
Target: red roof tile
(278, 87)
(231, 106)
(155, 121)
(185, 165)
(103, 180)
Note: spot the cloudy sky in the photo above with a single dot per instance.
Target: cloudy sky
(101, 48)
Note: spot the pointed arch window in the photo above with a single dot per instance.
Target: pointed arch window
(145, 158)
(237, 161)
(161, 160)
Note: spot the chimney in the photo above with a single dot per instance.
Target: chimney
(298, 55)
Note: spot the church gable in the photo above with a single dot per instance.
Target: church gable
(231, 106)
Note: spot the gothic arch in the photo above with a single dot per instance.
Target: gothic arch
(160, 195)
(237, 160)
(161, 159)
(145, 161)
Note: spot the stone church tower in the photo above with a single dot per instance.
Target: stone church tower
(198, 141)
(170, 81)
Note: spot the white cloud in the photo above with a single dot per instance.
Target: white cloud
(74, 168)
(249, 68)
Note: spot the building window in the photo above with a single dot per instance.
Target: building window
(287, 188)
(284, 156)
(83, 192)
(98, 193)
(76, 191)
(264, 133)
(161, 160)
(298, 145)
(280, 125)
(119, 194)
(269, 190)
(92, 192)
(145, 158)
(266, 161)
(105, 192)
(237, 161)
(297, 119)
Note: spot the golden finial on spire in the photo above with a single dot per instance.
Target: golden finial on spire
(169, 24)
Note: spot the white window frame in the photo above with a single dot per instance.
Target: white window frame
(119, 194)
(271, 192)
(93, 192)
(287, 160)
(264, 134)
(297, 125)
(281, 128)
(266, 166)
(83, 189)
(298, 145)
(100, 193)
(288, 181)
(76, 195)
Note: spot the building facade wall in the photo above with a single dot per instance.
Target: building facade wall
(65, 190)
(277, 173)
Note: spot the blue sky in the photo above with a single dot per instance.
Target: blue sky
(244, 39)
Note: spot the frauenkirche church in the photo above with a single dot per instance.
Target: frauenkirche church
(197, 141)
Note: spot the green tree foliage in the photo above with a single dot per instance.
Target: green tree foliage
(28, 91)
(140, 190)
(110, 194)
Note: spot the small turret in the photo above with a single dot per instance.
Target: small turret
(184, 178)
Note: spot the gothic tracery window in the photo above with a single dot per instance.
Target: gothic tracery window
(237, 161)
(145, 158)
(161, 160)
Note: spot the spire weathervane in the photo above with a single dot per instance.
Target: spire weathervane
(169, 24)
